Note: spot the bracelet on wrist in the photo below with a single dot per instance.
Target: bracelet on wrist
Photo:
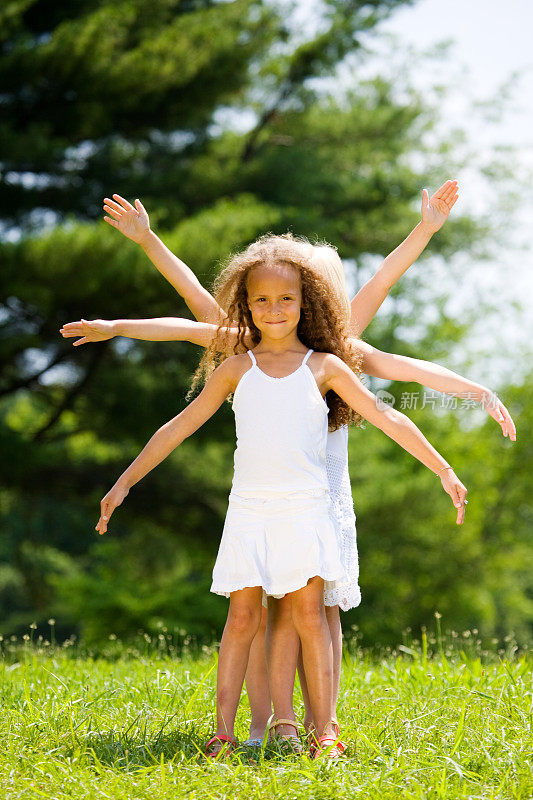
(442, 469)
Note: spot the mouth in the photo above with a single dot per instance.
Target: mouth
(279, 322)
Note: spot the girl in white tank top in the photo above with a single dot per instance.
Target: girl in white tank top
(279, 537)
(278, 531)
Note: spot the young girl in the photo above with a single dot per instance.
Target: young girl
(280, 482)
(134, 224)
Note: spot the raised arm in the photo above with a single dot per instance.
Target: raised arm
(133, 222)
(169, 436)
(434, 213)
(336, 375)
(402, 368)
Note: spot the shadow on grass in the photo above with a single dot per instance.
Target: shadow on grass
(131, 753)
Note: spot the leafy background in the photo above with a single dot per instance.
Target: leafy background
(227, 120)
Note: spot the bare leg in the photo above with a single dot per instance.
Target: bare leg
(241, 626)
(334, 623)
(335, 629)
(309, 617)
(282, 646)
(257, 682)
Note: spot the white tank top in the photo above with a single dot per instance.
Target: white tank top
(282, 429)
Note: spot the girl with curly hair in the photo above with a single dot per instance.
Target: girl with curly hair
(299, 376)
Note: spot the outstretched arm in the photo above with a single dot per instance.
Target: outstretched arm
(435, 211)
(169, 436)
(402, 368)
(161, 329)
(133, 222)
(340, 378)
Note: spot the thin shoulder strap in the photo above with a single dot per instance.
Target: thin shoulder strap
(306, 357)
(254, 362)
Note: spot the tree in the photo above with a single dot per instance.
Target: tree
(139, 97)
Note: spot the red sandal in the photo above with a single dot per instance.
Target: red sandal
(227, 746)
(340, 745)
(327, 744)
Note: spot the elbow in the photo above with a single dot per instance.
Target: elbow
(390, 418)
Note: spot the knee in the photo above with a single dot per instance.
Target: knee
(243, 622)
(309, 617)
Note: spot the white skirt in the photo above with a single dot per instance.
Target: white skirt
(279, 543)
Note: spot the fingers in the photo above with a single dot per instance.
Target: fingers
(425, 198)
(140, 208)
(461, 492)
(447, 188)
(70, 329)
(124, 203)
(503, 418)
(452, 202)
(112, 222)
(115, 206)
(439, 193)
(457, 492)
(106, 509)
(84, 340)
(112, 212)
(510, 428)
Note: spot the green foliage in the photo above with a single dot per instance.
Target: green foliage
(138, 97)
(414, 559)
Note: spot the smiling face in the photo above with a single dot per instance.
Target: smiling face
(274, 299)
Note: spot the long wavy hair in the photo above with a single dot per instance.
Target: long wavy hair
(324, 316)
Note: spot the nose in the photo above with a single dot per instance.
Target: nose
(274, 309)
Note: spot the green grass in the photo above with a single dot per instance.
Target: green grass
(129, 723)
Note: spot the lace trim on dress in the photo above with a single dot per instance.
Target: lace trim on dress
(343, 515)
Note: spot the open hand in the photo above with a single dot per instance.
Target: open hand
(95, 330)
(132, 221)
(112, 500)
(436, 209)
(494, 406)
(457, 491)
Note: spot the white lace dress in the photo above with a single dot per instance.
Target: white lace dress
(343, 516)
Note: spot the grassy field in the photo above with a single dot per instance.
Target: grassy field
(454, 722)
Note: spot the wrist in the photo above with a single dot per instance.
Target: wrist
(123, 484)
(426, 228)
(443, 469)
(147, 239)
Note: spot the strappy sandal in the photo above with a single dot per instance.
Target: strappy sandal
(227, 746)
(340, 744)
(327, 745)
(291, 739)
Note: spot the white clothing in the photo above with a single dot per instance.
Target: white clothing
(277, 543)
(343, 516)
(278, 531)
(282, 428)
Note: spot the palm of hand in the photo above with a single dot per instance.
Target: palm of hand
(436, 213)
(133, 225)
(436, 209)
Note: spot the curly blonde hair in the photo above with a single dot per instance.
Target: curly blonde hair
(325, 309)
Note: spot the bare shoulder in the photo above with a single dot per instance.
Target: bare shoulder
(327, 364)
(233, 368)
